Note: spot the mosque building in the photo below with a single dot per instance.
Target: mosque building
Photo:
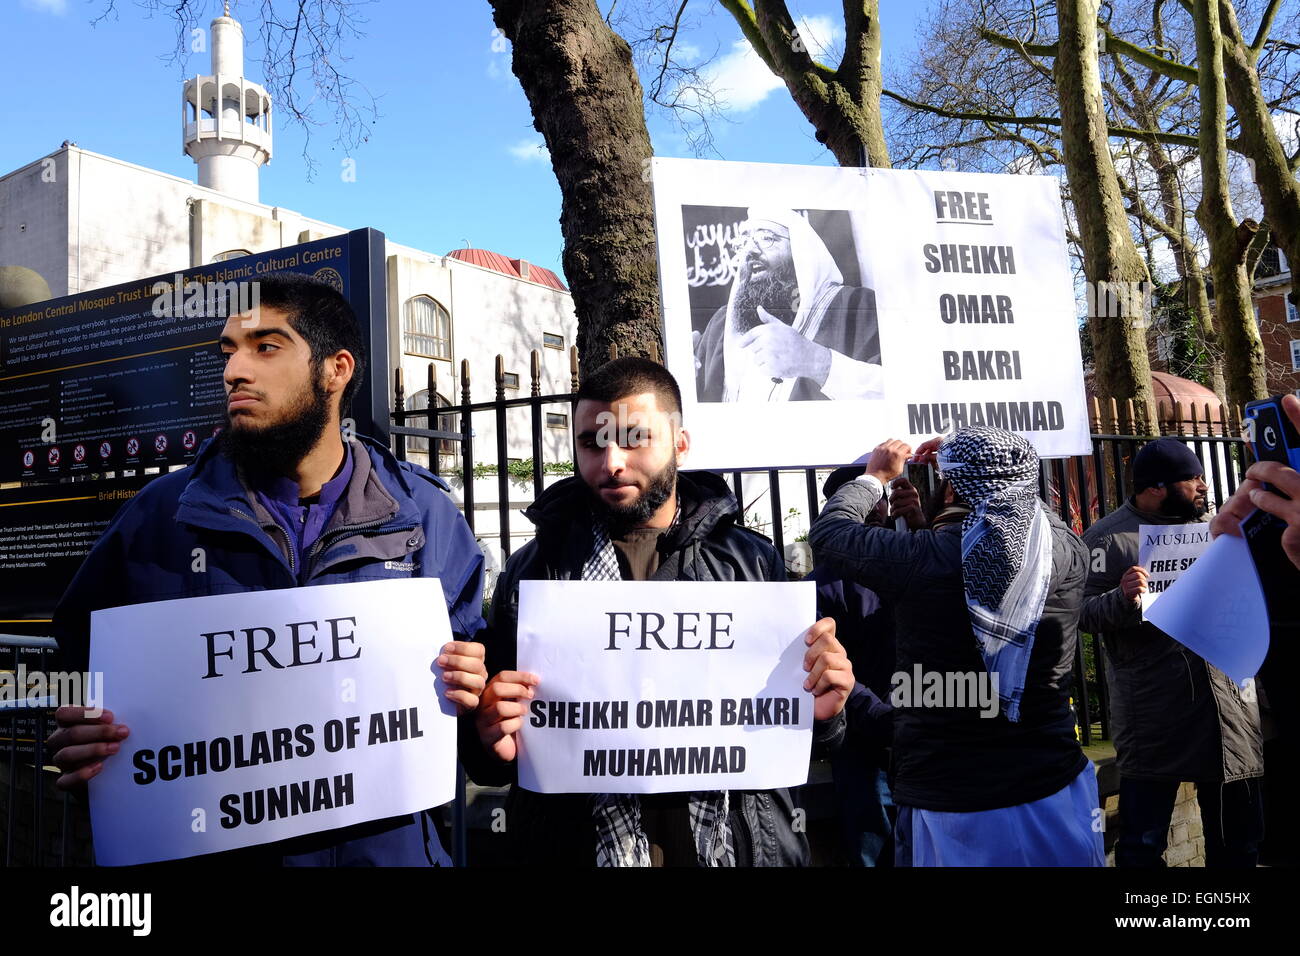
(76, 220)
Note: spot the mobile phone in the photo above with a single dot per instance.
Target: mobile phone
(1272, 437)
(1270, 433)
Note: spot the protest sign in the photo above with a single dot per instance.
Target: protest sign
(859, 304)
(265, 715)
(1166, 551)
(1216, 608)
(656, 687)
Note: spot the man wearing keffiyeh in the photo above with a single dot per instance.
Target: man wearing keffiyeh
(1006, 549)
(629, 515)
(989, 594)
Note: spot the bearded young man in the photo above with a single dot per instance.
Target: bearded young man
(791, 329)
(1174, 716)
(283, 498)
(629, 515)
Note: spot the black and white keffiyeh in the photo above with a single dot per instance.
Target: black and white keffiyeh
(602, 563)
(1006, 549)
(620, 840)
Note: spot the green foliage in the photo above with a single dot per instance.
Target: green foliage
(520, 471)
(1188, 356)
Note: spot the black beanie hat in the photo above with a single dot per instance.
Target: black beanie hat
(841, 477)
(1163, 461)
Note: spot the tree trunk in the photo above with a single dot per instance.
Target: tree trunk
(843, 105)
(1111, 261)
(1243, 350)
(1258, 140)
(587, 103)
(1183, 249)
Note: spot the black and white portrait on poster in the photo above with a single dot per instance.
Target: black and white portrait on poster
(810, 312)
(779, 311)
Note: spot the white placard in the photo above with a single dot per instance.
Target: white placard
(1166, 551)
(974, 313)
(242, 735)
(1217, 608)
(657, 687)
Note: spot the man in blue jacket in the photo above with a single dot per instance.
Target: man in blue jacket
(283, 498)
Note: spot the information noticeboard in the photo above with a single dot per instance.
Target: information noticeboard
(130, 377)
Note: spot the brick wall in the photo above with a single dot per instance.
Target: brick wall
(1276, 333)
(1186, 837)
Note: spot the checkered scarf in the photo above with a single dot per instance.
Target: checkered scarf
(1006, 549)
(620, 841)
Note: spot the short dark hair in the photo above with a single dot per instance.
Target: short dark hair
(631, 375)
(319, 313)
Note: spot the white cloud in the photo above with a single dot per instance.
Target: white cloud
(56, 7)
(741, 80)
(1288, 130)
(530, 150)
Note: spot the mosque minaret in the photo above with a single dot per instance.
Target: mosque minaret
(226, 118)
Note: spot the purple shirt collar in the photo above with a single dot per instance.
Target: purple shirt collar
(303, 520)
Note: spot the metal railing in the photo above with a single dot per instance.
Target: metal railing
(26, 722)
(1080, 489)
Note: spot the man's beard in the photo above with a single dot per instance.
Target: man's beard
(618, 521)
(1180, 507)
(774, 290)
(275, 450)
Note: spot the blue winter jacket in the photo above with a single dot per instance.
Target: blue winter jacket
(395, 520)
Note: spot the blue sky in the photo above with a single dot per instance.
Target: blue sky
(452, 158)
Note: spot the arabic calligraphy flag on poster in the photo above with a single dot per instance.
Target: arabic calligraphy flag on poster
(852, 305)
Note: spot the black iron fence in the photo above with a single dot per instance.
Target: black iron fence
(43, 827)
(1081, 489)
(38, 820)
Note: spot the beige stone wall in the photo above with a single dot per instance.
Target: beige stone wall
(34, 220)
(1186, 836)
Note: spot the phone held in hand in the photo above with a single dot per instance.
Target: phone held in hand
(1270, 433)
(1272, 437)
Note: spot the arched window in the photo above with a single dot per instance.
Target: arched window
(231, 254)
(448, 448)
(427, 331)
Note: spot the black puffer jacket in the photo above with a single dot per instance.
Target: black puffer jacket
(947, 757)
(1174, 716)
(705, 545)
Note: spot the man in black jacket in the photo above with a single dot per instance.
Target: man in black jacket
(629, 515)
(1175, 716)
(989, 595)
(865, 627)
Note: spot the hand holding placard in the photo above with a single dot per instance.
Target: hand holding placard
(707, 691)
(830, 675)
(82, 743)
(1134, 583)
(265, 715)
(465, 673)
(501, 713)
